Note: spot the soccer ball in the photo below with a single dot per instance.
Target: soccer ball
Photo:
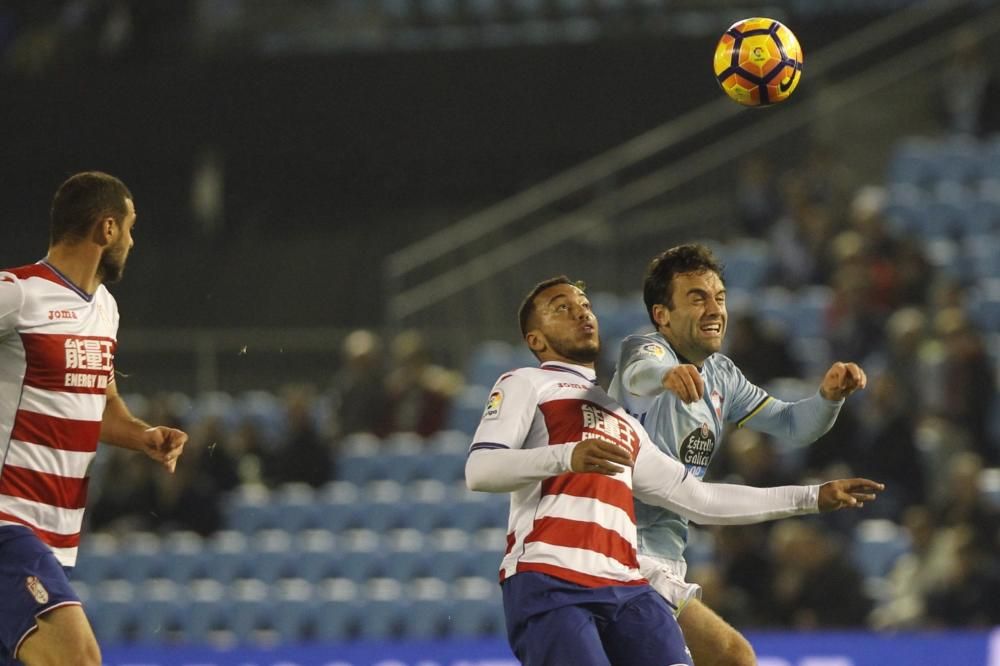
(758, 61)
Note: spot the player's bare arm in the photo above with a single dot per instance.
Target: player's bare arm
(119, 427)
(685, 382)
(841, 380)
(599, 457)
(847, 493)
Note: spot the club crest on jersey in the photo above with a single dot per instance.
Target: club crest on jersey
(654, 349)
(37, 590)
(493, 404)
(697, 448)
(717, 400)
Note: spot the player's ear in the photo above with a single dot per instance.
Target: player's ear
(536, 341)
(661, 315)
(105, 230)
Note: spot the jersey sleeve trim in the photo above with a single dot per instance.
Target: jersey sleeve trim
(754, 411)
(487, 445)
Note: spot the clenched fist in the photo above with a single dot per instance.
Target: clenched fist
(685, 382)
(841, 380)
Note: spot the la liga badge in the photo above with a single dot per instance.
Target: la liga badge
(493, 405)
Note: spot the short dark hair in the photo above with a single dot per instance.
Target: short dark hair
(527, 309)
(82, 200)
(657, 288)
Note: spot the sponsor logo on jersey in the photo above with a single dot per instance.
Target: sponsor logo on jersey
(92, 360)
(655, 350)
(61, 314)
(493, 404)
(37, 590)
(601, 424)
(696, 450)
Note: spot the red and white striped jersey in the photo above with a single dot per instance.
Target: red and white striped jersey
(572, 526)
(57, 346)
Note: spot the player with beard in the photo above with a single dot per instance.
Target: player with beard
(683, 391)
(572, 460)
(58, 328)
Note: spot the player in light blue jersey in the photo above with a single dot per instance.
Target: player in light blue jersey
(684, 391)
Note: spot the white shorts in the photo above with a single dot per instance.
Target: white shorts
(667, 578)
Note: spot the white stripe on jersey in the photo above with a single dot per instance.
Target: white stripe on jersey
(48, 460)
(589, 510)
(49, 518)
(76, 406)
(66, 556)
(577, 559)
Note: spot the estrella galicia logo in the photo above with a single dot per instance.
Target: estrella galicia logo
(696, 450)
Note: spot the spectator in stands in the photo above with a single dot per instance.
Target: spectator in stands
(816, 586)
(761, 352)
(418, 392)
(887, 444)
(927, 567)
(968, 96)
(967, 380)
(304, 455)
(742, 558)
(357, 392)
(969, 598)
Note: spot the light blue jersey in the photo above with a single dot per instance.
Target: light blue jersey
(691, 433)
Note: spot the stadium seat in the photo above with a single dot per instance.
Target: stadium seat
(877, 545)
(467, 408)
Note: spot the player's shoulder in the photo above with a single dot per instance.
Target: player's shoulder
(647, 345)
(12, 285)
(721, 365)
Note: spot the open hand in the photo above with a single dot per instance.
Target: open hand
(599, 457)
(844, 493)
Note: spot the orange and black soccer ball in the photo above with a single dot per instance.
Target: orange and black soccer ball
(758, 61)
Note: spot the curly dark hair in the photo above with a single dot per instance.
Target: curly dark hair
(82, 200)
(657, 288)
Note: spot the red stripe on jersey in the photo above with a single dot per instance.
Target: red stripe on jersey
(585, 536)
(53, 539)
(510, 543)
(563, 420)
(605, 489)
(58, 491)
(36, 270)
(68, 363)
(56, 433)
(572, 576)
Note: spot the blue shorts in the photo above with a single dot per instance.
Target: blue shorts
(32, 582)
(553, 623)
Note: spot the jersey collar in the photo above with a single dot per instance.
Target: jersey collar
(66, 281)
(579, 370)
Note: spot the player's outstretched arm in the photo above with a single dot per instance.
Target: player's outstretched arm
(119, 427)
(499, 469)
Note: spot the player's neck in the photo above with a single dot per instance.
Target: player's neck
(695, 358)
(78, 264)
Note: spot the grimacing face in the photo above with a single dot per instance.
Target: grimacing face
(112, 264)
(565, 327)
(696, 325)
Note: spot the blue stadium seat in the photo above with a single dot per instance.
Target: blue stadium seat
(428, 619)
(467, 408)
(746, 263)
(877, 545)
(475, 618)
(488, 361)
